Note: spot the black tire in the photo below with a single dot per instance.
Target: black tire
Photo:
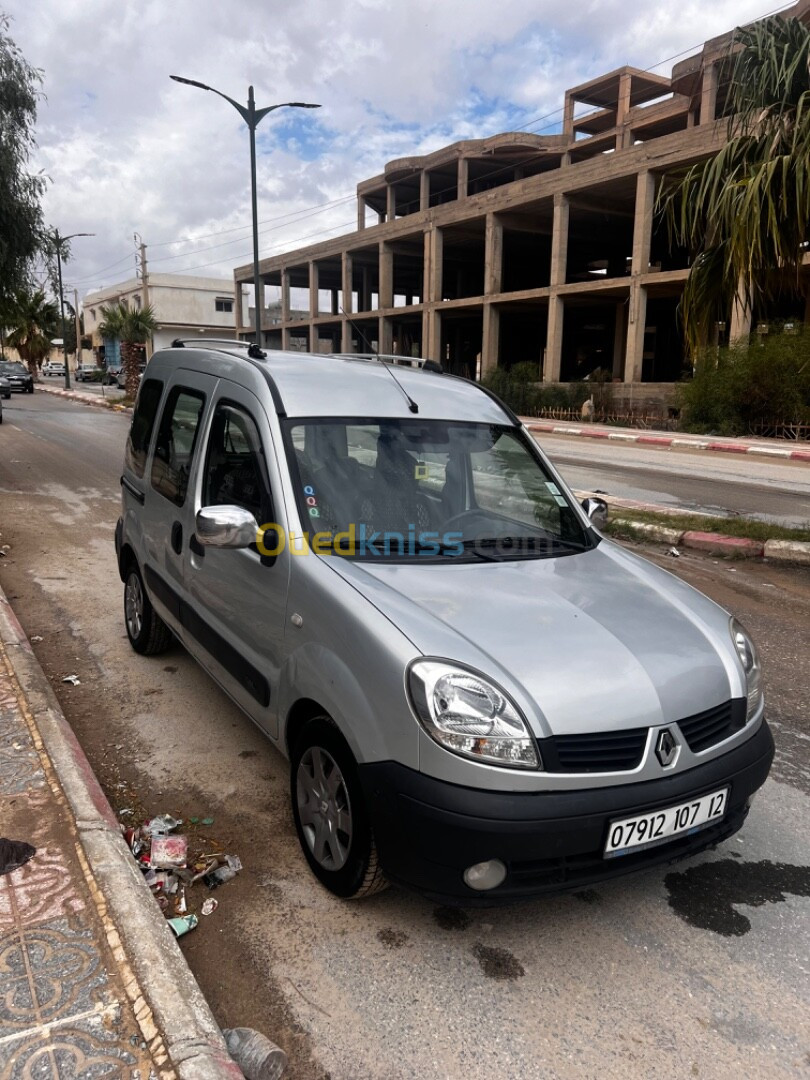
(359, 874)
(31, 388)
(148, 634)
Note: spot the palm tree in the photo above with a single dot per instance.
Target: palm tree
(132, 327)
(745, 212)
(33, 321)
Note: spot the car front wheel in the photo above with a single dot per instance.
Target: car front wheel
(330, 813)
(148, 634)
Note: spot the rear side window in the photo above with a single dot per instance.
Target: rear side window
(143, 421)
(176, 439)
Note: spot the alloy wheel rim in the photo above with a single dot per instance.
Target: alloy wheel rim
(324, 808)
(133, 605)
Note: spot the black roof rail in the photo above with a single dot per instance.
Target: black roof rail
(250, 347)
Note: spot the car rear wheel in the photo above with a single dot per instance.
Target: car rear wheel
(148, 634)
(31, 388)
(330, 813)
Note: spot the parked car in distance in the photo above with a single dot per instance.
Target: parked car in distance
(17, 375)
(86, 372)
(481, 696)
(5, 387)
(53, 367)
(110, 374)
(122, 377)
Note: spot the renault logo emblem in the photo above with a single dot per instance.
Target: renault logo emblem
(665, 747)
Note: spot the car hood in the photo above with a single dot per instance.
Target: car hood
(586, 642)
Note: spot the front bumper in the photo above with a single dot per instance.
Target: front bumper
(428, 831)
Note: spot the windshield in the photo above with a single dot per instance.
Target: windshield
(402, 489)
(10, 368)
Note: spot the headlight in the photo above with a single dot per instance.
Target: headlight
(467, 714)
(749, 658)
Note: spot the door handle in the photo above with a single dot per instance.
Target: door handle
(177, 537)
(195, 545)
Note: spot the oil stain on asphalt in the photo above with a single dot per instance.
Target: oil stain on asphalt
(497, 963)
(450, 918)
(705, 896)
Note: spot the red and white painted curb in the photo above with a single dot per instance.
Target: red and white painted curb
(84, 398)
(665, 441)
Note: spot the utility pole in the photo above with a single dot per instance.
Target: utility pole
(143, 273)
(78, 327)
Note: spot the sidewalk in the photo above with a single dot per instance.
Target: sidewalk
(86, 397)
(778, 448)
(93, 982)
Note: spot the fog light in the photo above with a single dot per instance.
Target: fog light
(485, 875)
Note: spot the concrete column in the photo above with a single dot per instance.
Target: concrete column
(642, 226)
(425, 333)
(261, 301)
(424, 190)
(490, 339)
(386, 276)
(335, 305)
(493, 256)
(346, 273)
(285, 338)
(623, 106)
(391, 203)
(285, 296)
(314, 278)
(463, 177)
(313, 339)
(365, 290)
(237, 306)
(385, 335)
(554, 337)
(568, 115)
(345, 336)
(556, 308)
(361, 213)
(619, 339)
(708, 98)
(434, 335)
(741, 314)
(434, 257)
(636, 325)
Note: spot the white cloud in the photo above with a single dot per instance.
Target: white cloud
(127, 150)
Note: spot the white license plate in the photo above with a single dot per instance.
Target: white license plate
(649, 830)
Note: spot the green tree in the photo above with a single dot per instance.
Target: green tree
(33, 322)
(21, 227)
(132, 326)
(745, 212)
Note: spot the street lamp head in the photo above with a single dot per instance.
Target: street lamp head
(302, 105)
(189, 82)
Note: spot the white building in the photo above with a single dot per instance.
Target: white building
(184, 307)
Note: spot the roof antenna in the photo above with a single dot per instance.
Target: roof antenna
(412, 406)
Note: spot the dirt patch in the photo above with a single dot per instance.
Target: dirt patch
(498, 964)
(450, 918)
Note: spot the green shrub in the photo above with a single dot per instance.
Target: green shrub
(736, 390)
(521, 389)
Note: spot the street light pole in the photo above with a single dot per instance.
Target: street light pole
(252, 117)
(58, 241)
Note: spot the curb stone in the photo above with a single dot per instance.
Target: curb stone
(167, 998)
(666, 441)
(84, 398)
(793, 551)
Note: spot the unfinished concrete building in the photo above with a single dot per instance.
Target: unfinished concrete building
(523, 247)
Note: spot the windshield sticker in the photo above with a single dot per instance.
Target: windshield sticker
(421, 471)
(311, 501)
(559, 500)
(552, 487)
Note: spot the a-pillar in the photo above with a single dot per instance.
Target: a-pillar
(708, 97)
(463, 177)
(346, 326)
(556, 309)
(741, 313)
(391, 203)
(386, 276)
(637, 311)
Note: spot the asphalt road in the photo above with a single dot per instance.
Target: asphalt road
(723, 484)
(697, 970)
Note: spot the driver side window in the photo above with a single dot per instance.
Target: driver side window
(235, 472)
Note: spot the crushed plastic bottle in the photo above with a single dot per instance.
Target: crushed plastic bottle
(255, 1054)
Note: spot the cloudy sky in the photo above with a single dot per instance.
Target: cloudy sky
(128, 151)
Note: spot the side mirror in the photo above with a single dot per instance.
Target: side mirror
(225, 527)
(597, 511)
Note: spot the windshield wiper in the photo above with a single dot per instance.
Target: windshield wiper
(517, 542)
(451, 550)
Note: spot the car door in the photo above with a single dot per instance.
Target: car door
(239, 595)
(167, 512)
